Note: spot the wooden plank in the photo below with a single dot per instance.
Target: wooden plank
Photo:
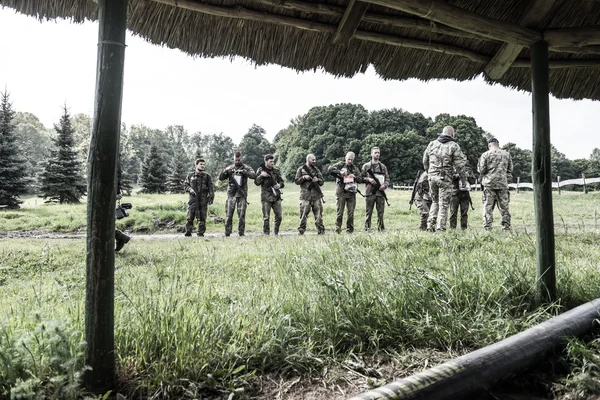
(102, 173)
(542, 174)
(442, 12)
(509, 52)
(352, 17)
(572, 37)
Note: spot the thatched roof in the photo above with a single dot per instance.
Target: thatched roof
(392, 35)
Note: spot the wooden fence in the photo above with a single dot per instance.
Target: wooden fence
(583, 181)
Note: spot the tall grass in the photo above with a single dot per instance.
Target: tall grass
(212, 316)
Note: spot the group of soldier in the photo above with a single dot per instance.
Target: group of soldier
(443, 186)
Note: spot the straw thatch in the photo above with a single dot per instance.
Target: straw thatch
(298, 34)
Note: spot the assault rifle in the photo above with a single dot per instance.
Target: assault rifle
(238, 186)
(313, 186)
(276, 192)
(468, 195)
(414, 191)
(377, 185)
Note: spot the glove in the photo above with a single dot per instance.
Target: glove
(466, 187)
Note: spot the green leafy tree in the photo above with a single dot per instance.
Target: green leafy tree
(154, 172)
(178, 174)
(62, 180)
(254, 146)
(562, 166)
(34, 144)
(521, 159)
(399, 121)
(13, 167)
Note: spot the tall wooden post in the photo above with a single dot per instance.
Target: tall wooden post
(102, 175)
(542, 174)
(518, 181)
(558, 184)
(585, 190)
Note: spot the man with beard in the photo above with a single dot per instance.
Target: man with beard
(377, 180)
(270, 181)
(201, 192)
(237, 192)
(348, 176)
(310, 179)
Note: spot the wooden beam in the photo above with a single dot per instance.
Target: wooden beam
(352, 17)
(392, 40)
(542, 174)
(509, 52)
(102, 191)
(572, 37)
(442, 12)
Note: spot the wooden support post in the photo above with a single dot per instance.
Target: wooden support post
(542, 173)
(585, 191)
(102, 176)
(558, 184)
(518, 181)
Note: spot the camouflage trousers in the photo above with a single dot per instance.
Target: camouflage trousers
(200, 214)
(459, 200)
(266, 211)
(378, 202)
(348, 203)
(317, 208)
(231, 205)
(490, 198)
(423, 206)
(441, 193)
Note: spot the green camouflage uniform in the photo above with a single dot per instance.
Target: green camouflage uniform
(201, 183)
(460, 199)
(374, 197)
(270, 197)
(423, 199)
(236, 196)
(345, 199)
(495, 167)
(441, 158)
(310, 197)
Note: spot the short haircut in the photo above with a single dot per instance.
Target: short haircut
(375, 147)
(199, 160)
(237, 154)
(308, 157)
(350, 154)
(269, 157)
(493, 140)
(448, 130)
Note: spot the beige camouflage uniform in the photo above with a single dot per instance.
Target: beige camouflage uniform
(310, 197)
(423, 199)
(441, 158)
(495, 167)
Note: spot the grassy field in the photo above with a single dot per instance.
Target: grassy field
(289, 317)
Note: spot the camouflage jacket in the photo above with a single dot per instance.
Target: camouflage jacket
(423, 188)
(378, 168)
(268, 194)
(309, 190)
(202, 184)
(495, 167)
(244, 173)
(336, 170)
(442, 157)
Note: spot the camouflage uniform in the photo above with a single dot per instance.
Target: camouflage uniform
(120, 238)
(460, 199)
(374, 197)
(495, 167)
(236, 196)
(440, 159)
(345, 199)
(202, 185)
(270, 197)
(423, 199)
(310, 197)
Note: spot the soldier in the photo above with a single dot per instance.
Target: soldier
(495, 168)
(310, 180)
(423, 199)
(377, 180)
(441, 158)
(269, 179)
(237, 192)
(348, 177)
(200, 188)
(460, 199)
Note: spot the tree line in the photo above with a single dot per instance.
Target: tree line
(53, 163)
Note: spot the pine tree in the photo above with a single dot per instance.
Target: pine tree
(154, 173)
(178, 175)
(127, 169)
(13, 167)
(62, 180)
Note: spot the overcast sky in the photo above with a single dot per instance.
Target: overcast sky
(47, 64)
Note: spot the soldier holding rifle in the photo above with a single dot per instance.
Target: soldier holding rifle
(377, 180)
(310, 179)
(269, 179)
(199, 186)
(237, 192)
